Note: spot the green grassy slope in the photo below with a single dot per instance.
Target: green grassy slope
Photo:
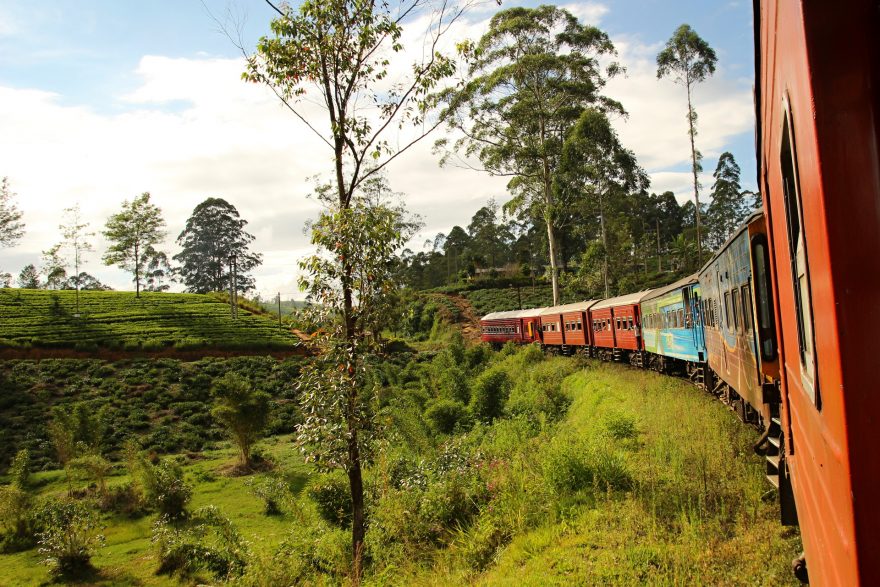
(129, 557)
(119, 320)
(698, 510)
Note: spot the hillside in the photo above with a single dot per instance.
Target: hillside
(119, 321)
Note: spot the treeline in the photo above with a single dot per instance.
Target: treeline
(214, 247)
(649, 237)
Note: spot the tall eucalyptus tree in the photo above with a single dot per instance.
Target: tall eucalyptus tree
(689, 60)
(530, 78)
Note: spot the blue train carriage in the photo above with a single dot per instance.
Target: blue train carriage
(734, 371)
(672, 328)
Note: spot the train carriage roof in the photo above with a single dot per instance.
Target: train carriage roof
(573, 307)
(656, 293)
(512, 314)
(755, 215)
(624, 300)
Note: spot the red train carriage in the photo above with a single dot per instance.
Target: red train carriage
(567, 325)
(817, 79)
(616, 326)
(551, 326)
(519, 326)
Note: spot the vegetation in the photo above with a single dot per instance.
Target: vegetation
(161, 402)
(119, 321)
(11, 226)
(214, 233)
(134, 232)
(530, 77)
(689, 60)
(243, 410)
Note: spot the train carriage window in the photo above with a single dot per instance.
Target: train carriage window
(797, 252)
(680, 313)
(727, 310)
(746, 308)
(737, 323)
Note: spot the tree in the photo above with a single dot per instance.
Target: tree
(76, 237)
(243, 410)
(689, 60)
(11, 226)
(339, 52)
(214, 232)
(730, 203)
(134, 233)
(358, 247)
(86, 282)
(29, 278)
(595, 163)
(54, 267)
(531, 76)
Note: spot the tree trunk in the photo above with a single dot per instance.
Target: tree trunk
(137, 272)
(604, 244)
(554, 272)
(694, 169)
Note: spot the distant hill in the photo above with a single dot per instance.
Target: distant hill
(119, 321)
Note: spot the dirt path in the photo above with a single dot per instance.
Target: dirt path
(469, 321)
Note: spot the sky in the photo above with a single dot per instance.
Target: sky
(102, 100)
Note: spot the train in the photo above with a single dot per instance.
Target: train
(782, 321)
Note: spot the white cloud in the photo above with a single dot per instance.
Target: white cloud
(656, 128)
(192, 129)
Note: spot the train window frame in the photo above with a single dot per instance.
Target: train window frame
(798, 256)
(734, 304)
(727, 309)
(747, 310)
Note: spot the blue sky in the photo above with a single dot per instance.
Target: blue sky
(101, 100)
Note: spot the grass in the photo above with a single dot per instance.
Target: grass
(695, 511)
(128, 557)
(120, 321)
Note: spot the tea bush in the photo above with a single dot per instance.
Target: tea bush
(332, 496)
(69, 537)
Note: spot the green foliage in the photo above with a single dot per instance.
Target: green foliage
(571, 465)
(332, 496)
(445, 415)
(69, 537)
(274, 492)
(243, 410)
(621, 425)
(20, 470)
(29, 278)
(207, 540)
(538, 389)
(11, 226)
(164, 487)
(490, 391)
(214, 232)
(134, 232)
(112, 320)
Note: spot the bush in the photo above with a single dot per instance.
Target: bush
(332, 494)
(571, 465)
(274, 492)
(444, 415)
(17, 524)
(489, 393)
(207, 541)
(164, 487)
(454, 385)
(620, 426)
(69, 537)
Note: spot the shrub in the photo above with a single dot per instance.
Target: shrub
(208, 540)
(274, 492)
(454, 386)
(242, 410)
(20, 470)
(69, 537)
(571, 465)
(332, 494)
(444, 415)
(164, 487)
(17, 522)
(489, 393)
(620, 425)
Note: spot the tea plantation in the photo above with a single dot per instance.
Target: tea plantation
(121, 321)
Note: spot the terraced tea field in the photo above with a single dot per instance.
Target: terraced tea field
(120, 321)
